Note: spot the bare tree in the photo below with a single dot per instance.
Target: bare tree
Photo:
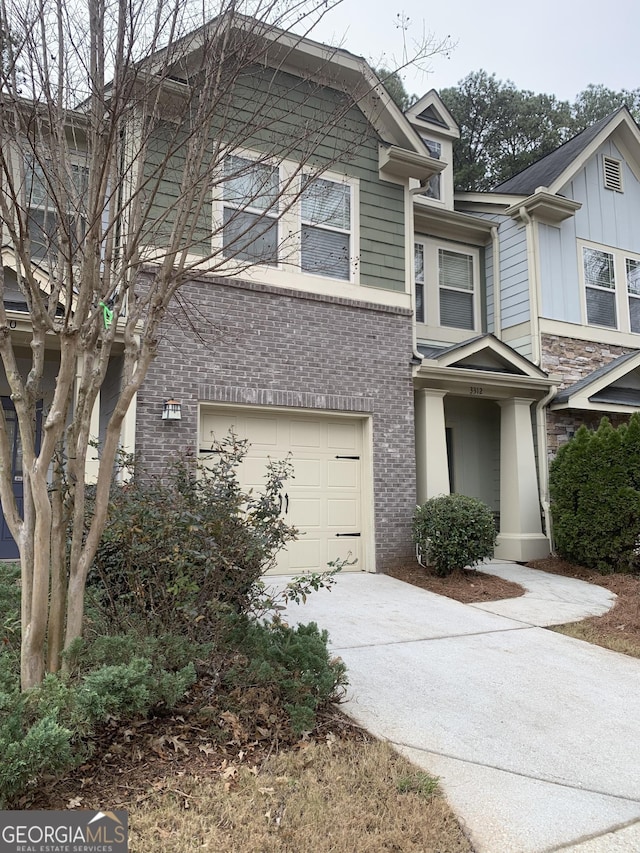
(120, 124)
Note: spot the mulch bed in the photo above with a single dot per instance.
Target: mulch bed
(467, 586)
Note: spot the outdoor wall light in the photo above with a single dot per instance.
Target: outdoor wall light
(171, 410)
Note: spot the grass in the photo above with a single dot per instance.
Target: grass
(619, 629)
(338, 796)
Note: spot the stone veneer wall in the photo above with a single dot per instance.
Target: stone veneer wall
(238, 342)
(573, 360)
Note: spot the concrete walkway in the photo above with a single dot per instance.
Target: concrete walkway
(535, 736)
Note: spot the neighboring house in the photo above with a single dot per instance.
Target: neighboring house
(403, 342)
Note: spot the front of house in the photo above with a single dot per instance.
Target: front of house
(392, 339)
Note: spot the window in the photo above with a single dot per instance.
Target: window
(326, 228)
(600, 285)
(419, 276)
(612, 170)
(43, 213)
(456, 289)
(633, 291)
(432, 188)
(250, 210)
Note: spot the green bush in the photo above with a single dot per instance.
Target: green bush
(179, 551)
(594, 484)
(454, 531)
(294, 663)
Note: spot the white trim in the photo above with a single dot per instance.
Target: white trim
(623, 320)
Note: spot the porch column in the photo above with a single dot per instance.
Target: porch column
(520, 536)
(432, 464)
(128, 436)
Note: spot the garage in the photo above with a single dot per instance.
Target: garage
(325, 498)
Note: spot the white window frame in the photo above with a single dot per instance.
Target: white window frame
(431, 328)
(436, 180)
(622, 294)
(342, 180)
(273, 212)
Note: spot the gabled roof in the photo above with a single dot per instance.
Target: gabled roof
(613, 387)
(550, 169)
(484, 353)
(431, 115)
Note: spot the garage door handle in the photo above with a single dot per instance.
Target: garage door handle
(286, 503)
(348, 534)
(347, 457)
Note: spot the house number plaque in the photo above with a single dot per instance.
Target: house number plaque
(475, 390)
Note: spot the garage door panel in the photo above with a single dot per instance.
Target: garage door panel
(305, 554)
(304, 513)
(305, 434)
(307, 473)
(345, 549)
(343, 436)
(343, 473)
(343, 514)
(261, 432)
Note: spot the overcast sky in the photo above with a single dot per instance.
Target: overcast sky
(552, 46)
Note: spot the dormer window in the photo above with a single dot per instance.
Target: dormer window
(433, 187)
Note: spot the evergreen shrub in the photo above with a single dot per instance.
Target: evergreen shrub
(454, 531)
(594, 485)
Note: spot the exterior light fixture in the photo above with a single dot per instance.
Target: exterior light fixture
(171, 410)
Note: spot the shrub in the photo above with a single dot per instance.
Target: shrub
(293, 663)
(594, 484)
(178, 552)
(454, 531)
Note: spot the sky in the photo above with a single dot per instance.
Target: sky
(552, 46)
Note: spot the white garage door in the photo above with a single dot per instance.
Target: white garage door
(323, 499)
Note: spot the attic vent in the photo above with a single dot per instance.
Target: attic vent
(612, 174)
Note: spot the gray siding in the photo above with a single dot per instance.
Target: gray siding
(559, 280)
(514, 274)
(288, 118)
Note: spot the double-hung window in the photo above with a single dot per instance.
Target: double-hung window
(456, 289)
(418, 250)
(325, 233)
(432, 187)
(633, 292)
(43, 212)
(600, 287)
(250, 210)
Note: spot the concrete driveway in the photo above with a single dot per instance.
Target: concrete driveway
(535, 736)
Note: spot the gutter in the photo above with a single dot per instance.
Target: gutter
(497, 318)
(543, 461)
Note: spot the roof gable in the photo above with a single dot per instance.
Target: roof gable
(430, 113)
(485, 353)
(558, 167)
(613, 387)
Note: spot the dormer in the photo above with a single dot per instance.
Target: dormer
(437, 129)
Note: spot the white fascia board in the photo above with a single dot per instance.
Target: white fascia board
(460, 376)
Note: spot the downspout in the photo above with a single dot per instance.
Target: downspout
(543, 460)
(533, 286)
(497, 318)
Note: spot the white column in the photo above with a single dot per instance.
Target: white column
(432, 464)
(521, 536)
(92, 463)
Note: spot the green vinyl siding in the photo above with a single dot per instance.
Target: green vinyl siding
(287, 118)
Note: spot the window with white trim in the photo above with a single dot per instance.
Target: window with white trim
(43, 213)
(632, 269)
(455, 278)
(325, 232)
(250, 194)
(600, 287)
(447, 286)
(418, 250)
(433, 187)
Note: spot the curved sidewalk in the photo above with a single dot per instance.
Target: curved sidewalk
(534, 735)
(549, 599)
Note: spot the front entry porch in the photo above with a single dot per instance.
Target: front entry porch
(475, 407)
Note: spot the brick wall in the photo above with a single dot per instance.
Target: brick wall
(232, 341)
(573, 360)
